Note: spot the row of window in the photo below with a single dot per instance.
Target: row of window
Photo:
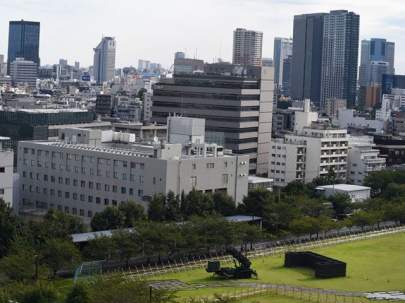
(92, 172)
(82, 197)
(83, 158)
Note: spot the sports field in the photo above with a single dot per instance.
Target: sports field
(372, 265)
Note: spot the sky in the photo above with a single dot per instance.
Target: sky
(154, 30)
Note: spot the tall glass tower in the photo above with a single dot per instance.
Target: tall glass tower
(23, 42)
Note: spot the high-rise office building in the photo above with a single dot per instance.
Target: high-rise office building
(3, 66)
(282, 50)
(247, 47)
(306, 63)
(237, 109)
(23, 42)
(340, 56)
(376, 52)
(104, 60)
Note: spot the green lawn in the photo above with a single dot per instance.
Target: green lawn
(372, 265)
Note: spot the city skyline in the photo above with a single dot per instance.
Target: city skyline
(138, 28)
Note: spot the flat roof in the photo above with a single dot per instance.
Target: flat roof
(85, 237)
(344, 187)
(242, 218)
(255, 180)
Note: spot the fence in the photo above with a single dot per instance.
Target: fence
(300, 293)
(198, 262)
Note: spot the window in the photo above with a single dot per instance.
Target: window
(140, 192)
(74, 196)
(194, 166)
(89, 214)
(114, 188)
(82, 183)
(82, 212)
(59, 194)
(91, 184)
(67, 195)
(98, 200)
(123, 190)
(106, 187)
(131, 191)
(225, 178)
(2, 169)
(75, 182)
(193, 181)
(74, 211)
(82, 197)
(1, 191)
(154, 180)
(90, 199)
(98, 186)
(114, 202)
(210, 165)
(106, 202)
(67, 181)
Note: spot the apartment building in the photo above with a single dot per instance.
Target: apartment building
(87, 170)
(6, 171)
(310, 153)
(363, 159)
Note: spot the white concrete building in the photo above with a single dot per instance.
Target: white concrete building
(355, 192)
(363, 159)
(305, 117)
(308, 154)
(6, 172)
(88, 171)
(24, 72)
(390, 103)
(347, 118)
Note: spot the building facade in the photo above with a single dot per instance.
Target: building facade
(306, 63)
(23, 42)
(247, 47)
(23, 72)
(363, 159)
(237, 110)
(340, 56)
(104, 60)
(313, 152)
(88, 171)
(6, 172)
(376, 52)
(282, 50)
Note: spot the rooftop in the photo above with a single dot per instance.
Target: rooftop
(344, 187)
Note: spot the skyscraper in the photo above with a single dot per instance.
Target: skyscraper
(104, 60)
(282, 49)
(23, 42)
(307, 57)
(340, 56)
(247, 47)
(376, 52)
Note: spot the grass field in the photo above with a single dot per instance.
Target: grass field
(372, 265)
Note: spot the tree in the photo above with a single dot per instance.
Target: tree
(100, 248)
(78, 294)
(126, 245)
(224, 204)
(342, 205)
(57, 224)
(363, 218)
(8, 227)
(257, 202)
(57, 254)
(21, 262)
(132, 212)
(119, 289)
(37, 293)
(173, 212)
(109, 218)
(157, 208)
(197, 204)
